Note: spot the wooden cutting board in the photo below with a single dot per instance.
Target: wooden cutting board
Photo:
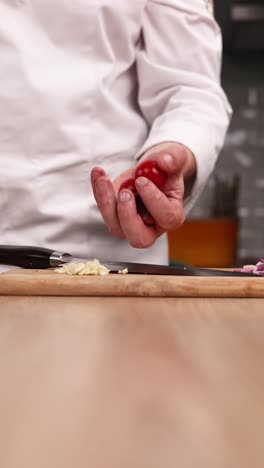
(49, 283)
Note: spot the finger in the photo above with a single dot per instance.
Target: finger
(107, 204)
(171, 163)
(143, 212)
(96, 172)
(136, 232)
(166, 209)
(172, 166)
(171, 157)
(129, 173)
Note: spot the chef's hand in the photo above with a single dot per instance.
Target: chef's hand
(119, 210)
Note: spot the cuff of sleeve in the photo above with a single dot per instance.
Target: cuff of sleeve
(202, 145)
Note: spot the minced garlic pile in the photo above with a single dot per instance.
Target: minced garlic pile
(93, 267)
(123, 272)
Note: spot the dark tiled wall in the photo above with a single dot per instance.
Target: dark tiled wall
(243, 154)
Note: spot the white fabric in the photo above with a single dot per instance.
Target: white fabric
(97, 82)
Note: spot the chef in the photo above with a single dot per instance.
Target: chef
(88, 90)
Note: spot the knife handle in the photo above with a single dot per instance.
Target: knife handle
(25, 256)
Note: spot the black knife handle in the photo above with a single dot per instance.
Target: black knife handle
(25, 256)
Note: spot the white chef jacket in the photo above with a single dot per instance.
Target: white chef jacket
(98, 82)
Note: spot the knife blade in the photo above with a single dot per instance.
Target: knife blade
(42, 258)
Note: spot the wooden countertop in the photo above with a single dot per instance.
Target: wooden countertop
(131, 382)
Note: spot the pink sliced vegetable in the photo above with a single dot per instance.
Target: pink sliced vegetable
(257, 269)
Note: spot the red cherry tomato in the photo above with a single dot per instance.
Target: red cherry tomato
(129, 184)
(151, 171)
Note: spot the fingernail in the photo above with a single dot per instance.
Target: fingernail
(125, 196)
(168, 159)
(141, 181)
(102, 186)
(96, 174)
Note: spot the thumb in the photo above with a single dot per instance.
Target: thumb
(172, 158)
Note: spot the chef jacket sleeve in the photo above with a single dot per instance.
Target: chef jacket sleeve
(180, 95)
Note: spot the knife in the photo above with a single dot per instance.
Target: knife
(42, 258)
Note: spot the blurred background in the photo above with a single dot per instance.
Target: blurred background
(228, 220)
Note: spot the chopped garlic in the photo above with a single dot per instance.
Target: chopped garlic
(123, 272)
(82, 269)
